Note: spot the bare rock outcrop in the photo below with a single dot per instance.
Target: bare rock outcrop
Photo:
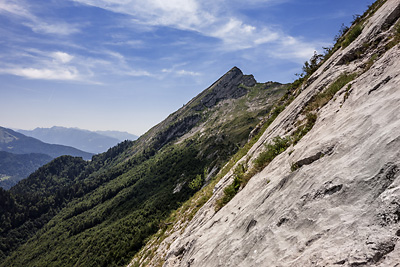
(341, 207)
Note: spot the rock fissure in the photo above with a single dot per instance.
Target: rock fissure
(313, 158)
(376, 87)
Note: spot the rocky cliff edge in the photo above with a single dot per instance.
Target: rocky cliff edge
(333, 198)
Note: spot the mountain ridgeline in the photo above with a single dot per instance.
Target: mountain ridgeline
(93, 142)
(101, 212)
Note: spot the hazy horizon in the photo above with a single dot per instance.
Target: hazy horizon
(77, 128)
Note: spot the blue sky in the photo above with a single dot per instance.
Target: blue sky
(127, 64)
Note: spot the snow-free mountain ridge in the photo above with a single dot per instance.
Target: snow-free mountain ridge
(93, 142)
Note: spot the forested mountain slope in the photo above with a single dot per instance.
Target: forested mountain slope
(100, 213)
(15, 167)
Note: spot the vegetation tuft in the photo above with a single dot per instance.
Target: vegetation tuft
(273, 149)
(354, 32)
(325, 96)
(302, 130)
(231, 190)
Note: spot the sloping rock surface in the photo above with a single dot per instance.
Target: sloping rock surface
(340, 208)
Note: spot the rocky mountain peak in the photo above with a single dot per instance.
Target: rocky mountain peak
(231, 85)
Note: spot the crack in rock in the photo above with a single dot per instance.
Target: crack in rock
(376, 87)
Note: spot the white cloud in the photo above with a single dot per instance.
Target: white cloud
(60, 65)
(182, 14)
(187, 73)
(199, 16)
(44, 65)
(53, 28)
(138, 73)
(292, 48)
(62, 57)
(15, 8)
(181, 72)
(129, 43)
(267, 38)
(66, 74)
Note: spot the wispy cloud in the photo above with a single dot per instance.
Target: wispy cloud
(138, 73)
(127, 43)
(52, 28)
(58, 65)
(181, 72)
(188, 73)
(62, 56)
(43, 65)
(65, 74)
(15, 8)
(20, 9)
(208, 18)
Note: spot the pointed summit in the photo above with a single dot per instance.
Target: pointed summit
(235, 69)
(226, 87)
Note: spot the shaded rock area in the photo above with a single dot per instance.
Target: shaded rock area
(311, 159)
(176, 130)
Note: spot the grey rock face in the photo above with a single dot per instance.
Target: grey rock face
(341, 207)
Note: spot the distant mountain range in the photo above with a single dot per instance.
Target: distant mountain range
(94, 142)
(18, 143)
(122, 136)
(21, 155)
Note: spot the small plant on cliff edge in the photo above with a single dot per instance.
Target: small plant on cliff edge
(310, 66)
(395, 39)
(294, 166)
(231, 190)
(326, 95)
(304, 129)
(275, 148)
(352, 35)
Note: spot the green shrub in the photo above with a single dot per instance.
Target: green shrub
(304, 129)
(275, 148)
(196, 183)
(395, 38)
(352, 35)
(325, 96)
(231, 190)
(294, 167)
